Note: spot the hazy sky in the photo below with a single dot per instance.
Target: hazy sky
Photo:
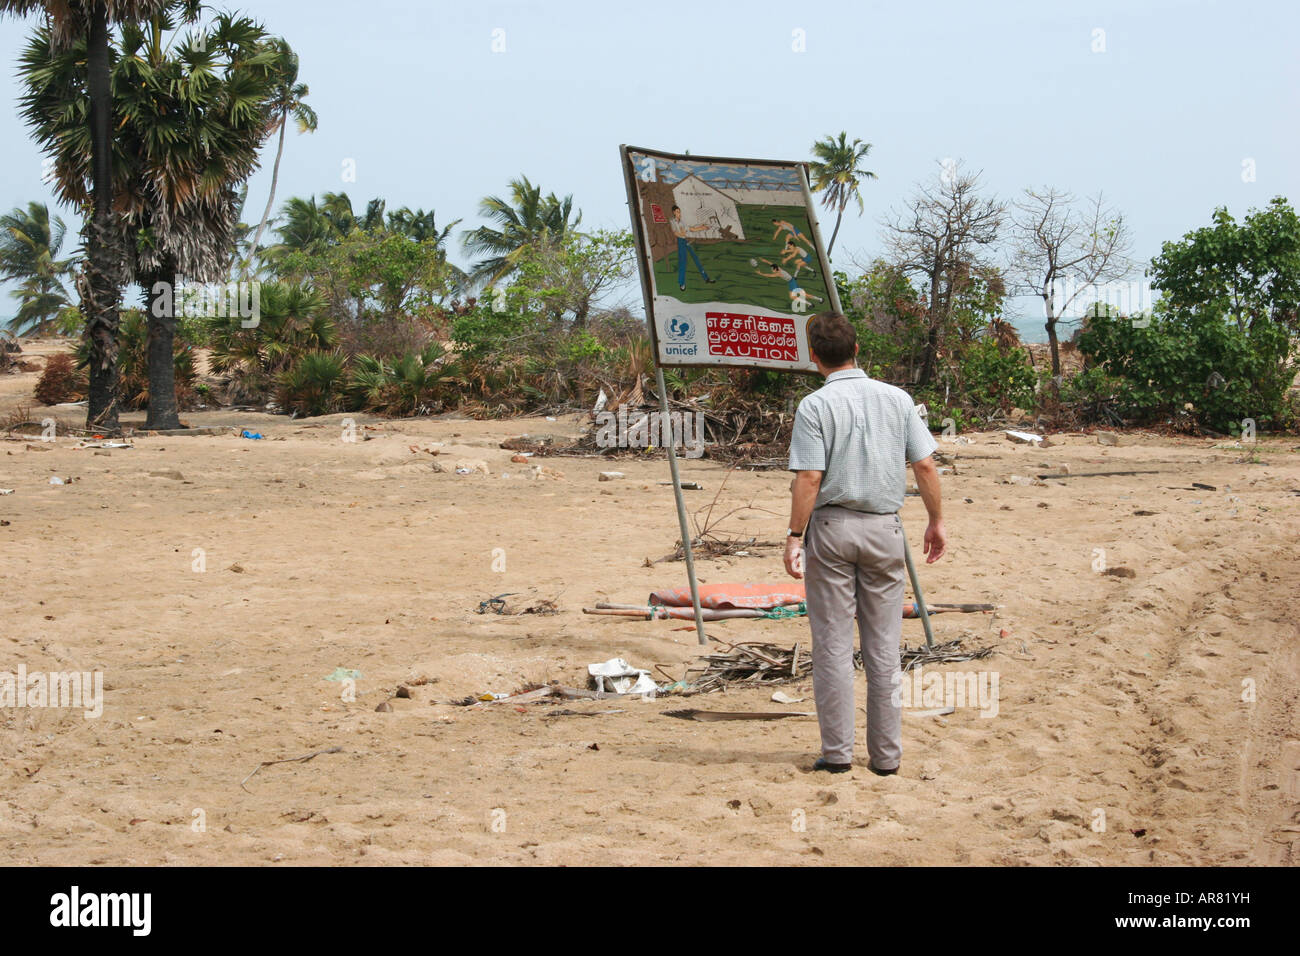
(1158, 103)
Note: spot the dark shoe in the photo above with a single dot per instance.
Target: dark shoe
(711, 281)
(823, 764)
(882, 773)
(682, 287)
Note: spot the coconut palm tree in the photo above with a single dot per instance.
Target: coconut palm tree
(306, 225)
(836, 172)
(526, 218)
(420, 226)
(29, 254)
(288, 103)
(90, 182)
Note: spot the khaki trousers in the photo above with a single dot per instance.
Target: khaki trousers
(854, 565)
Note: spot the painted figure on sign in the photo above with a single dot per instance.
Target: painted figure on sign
(784, 225)
(684, 248)
(798, 296)
(796, 254)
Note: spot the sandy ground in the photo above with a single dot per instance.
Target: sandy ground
(1120, 698)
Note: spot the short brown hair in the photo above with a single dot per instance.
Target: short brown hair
(832, 337)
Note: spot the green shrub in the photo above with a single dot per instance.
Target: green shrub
(995, 379)
(1226, 373)
(291, 324)
(313, 385)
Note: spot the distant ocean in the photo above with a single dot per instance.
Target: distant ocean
(1031, 330)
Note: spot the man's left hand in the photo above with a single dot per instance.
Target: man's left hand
(794, 557)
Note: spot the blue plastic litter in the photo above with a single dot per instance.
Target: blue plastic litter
(247, 434)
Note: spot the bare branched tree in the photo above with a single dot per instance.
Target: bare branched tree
(1062, 250)
(943, 235)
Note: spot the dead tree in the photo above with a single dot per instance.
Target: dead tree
(1062, 248)
(942, 235)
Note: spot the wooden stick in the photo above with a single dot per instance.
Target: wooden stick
(1100, 474)
(303, 759)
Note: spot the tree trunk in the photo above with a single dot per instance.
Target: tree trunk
(839, 217)
(1056, 352)
(275, 178)
(102, 286)
(931, 356)
(161, 310)
(932, 337)
(1049, 307)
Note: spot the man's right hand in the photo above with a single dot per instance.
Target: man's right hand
(936, 541)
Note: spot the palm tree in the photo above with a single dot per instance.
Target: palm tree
(192, 117)
(836, 172)
(420, 226)
(195, 113)
(29, 253)
(87, 22)
(287, 103)
(526, 219)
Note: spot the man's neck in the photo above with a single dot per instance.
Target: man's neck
(827, 373)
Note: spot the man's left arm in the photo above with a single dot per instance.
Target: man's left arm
(803, 495)
(808, 462)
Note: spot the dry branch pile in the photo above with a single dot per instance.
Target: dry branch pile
(757, 664)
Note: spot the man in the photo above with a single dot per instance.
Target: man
(784, 225)
(798, 254)
(798, 295)
(852, 440)
(684, 248)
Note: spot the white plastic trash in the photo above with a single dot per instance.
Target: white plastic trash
(619, 677)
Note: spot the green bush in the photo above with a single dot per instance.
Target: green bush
(313, 385)
(995, 379)
(292, 323)
(1225, 372)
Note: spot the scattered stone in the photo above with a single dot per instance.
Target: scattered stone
(384, 708)
(1107, 438)
(610, 475)
(1120, 572)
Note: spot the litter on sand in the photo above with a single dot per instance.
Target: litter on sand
(255, 436)
(343, 673)
(617, 676)
(1023, 438)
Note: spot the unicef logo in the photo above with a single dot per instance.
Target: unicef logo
(680, 329)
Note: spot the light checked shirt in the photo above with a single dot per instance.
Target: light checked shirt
(861, 434)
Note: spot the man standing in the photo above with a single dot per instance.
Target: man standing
(852, 441)
(684, 248)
